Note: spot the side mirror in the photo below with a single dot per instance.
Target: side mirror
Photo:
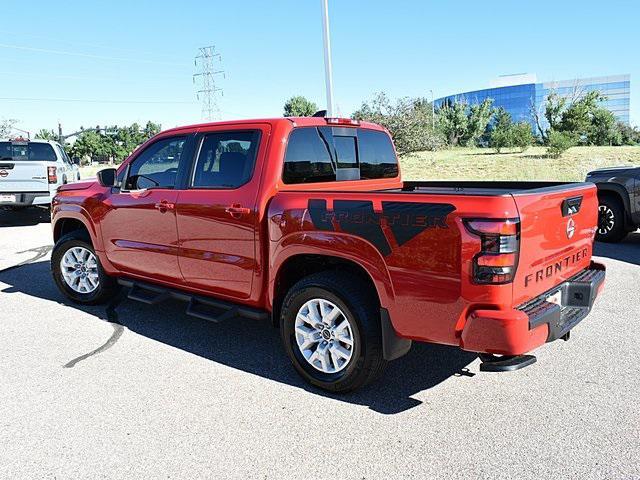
(107, 177)
(76, 161)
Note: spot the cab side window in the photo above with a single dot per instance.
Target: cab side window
(157, 165)
(63, 155)
(308, 158)
(226, 159)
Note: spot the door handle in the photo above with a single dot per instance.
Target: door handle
(163, 206)
(236, 211)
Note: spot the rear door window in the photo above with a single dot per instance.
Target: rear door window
(226, 159)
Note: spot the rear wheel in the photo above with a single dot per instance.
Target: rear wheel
(77, 271)
(610, 221)
(331, 331)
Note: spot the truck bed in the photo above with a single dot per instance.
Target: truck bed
(457, 187)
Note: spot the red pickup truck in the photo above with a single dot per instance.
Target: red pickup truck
(307, 223)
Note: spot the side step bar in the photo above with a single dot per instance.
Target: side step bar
(205, 308)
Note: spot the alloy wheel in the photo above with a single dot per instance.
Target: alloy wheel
(324, 335)
(79, 268)
(606, 219)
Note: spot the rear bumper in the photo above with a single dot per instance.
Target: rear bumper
(520, 330)
(25, 199)
(578, 295)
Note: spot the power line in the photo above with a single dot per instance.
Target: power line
(88, 55)
(91, 100)
(11, 74)
(206, 79)
(85, 44)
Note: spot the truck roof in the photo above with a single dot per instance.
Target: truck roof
(33, 140)
(295, 121)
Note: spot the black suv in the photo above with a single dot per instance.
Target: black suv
(619, 201)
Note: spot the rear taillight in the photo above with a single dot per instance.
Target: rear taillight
(497, 260)
(52, 176)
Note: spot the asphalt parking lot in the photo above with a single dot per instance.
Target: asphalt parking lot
(141, 391)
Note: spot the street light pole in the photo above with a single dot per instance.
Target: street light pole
(328, 74)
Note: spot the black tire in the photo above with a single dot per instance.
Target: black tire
(611, 226)
(107, 286)
(360, 308)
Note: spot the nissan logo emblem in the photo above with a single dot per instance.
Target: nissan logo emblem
(571, 228)
(3, 173)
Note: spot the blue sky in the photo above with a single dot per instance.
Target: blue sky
(143, 51)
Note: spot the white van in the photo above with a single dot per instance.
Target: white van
(31, 171)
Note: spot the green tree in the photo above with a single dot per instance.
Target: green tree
(521, 135)
(479, 116)
(506, 134)
(500, 134)
(409, 120)
(554, 109)
(150, 129)
(581, 117)
(604, 128)
(462, 124)
(114, 143)
(45, 134)
(577, 118)
(559, 142)
(88, 145)
(299, 106)
(628, 135)
(453, 121)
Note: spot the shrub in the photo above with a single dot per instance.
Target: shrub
(504, 133)
(521, 135)
(500, 138)
(559, 142)
(629, 135)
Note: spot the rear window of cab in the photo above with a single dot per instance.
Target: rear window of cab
(325, 154)
(27, 151)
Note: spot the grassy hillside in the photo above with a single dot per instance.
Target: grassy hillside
(484, 164)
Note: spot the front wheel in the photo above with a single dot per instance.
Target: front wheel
(610, 221)
(77, 271)
(331, 331)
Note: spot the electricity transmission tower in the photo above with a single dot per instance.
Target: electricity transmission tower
(205, 78)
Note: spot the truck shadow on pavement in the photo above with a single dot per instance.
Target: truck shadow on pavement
(626, 251)
(247, 345)
(25, 217)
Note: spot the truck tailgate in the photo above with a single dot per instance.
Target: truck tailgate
(557, 227)
(23, 176)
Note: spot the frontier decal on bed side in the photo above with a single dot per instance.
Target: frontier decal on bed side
(405, 219)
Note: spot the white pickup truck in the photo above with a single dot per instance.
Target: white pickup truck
(31, 171)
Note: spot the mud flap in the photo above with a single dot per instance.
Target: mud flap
(392, 345)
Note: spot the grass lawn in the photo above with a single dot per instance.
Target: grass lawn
(485, 164)
(88, 172)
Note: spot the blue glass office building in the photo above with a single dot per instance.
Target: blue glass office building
(517, 99)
